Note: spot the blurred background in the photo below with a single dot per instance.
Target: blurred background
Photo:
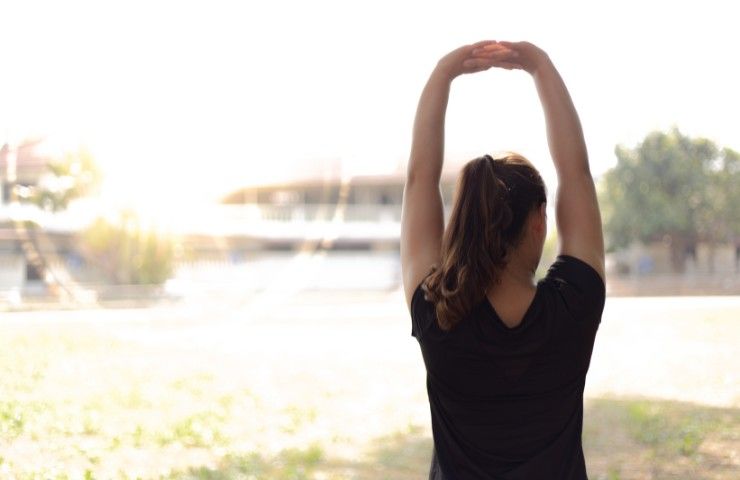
(200, 216)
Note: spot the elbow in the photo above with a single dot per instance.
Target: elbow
(575, 170)
(422, 172)
(422, 176)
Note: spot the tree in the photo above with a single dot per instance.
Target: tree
(73, 176)
(675, 189)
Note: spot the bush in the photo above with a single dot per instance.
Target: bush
(129, 254)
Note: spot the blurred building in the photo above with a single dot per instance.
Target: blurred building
(649, 270)
(655, 259)
(360, 212)
(21, 169)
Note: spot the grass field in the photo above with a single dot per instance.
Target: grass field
(331, 386)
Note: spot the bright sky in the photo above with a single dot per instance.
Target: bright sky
(184, 101)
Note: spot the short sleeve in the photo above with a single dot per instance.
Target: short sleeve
(580, 286)
(421, 310)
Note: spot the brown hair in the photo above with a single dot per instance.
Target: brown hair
(493, 199)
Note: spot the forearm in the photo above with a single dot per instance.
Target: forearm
(427, 147)
(564, 131)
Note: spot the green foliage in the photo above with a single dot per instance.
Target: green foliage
(197, 430)
(721, 220)
(613, 474)
(130, 254)
(297, 418)
(672, 188)
(73, 176)
(663, 428)
(11, 420)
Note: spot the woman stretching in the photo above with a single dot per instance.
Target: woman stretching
(506, 359)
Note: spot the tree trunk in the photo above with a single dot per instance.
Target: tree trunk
(678, 253)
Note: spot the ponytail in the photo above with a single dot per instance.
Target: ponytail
(492, 200)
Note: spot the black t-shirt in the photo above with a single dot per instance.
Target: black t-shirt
(507, 403)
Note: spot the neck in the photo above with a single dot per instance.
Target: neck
(518, 271)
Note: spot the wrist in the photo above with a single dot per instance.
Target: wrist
(542, 65)
(443, 73)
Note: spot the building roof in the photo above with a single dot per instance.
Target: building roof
(395, 178)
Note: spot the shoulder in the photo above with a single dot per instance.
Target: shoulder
(579, 285)
(418, 293)
(575, 269)
(419, 305)
(423, 314)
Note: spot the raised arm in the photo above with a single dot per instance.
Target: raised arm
(422, 217)
(576, 206)
(427, 146)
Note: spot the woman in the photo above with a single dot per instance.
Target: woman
(506, 358)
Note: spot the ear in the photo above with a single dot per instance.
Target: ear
(539, 219)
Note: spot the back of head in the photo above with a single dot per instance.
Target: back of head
(493, 200)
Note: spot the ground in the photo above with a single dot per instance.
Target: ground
(331, 386)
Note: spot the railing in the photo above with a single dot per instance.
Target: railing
(362, 212)
(232, 219)
(310, 213)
